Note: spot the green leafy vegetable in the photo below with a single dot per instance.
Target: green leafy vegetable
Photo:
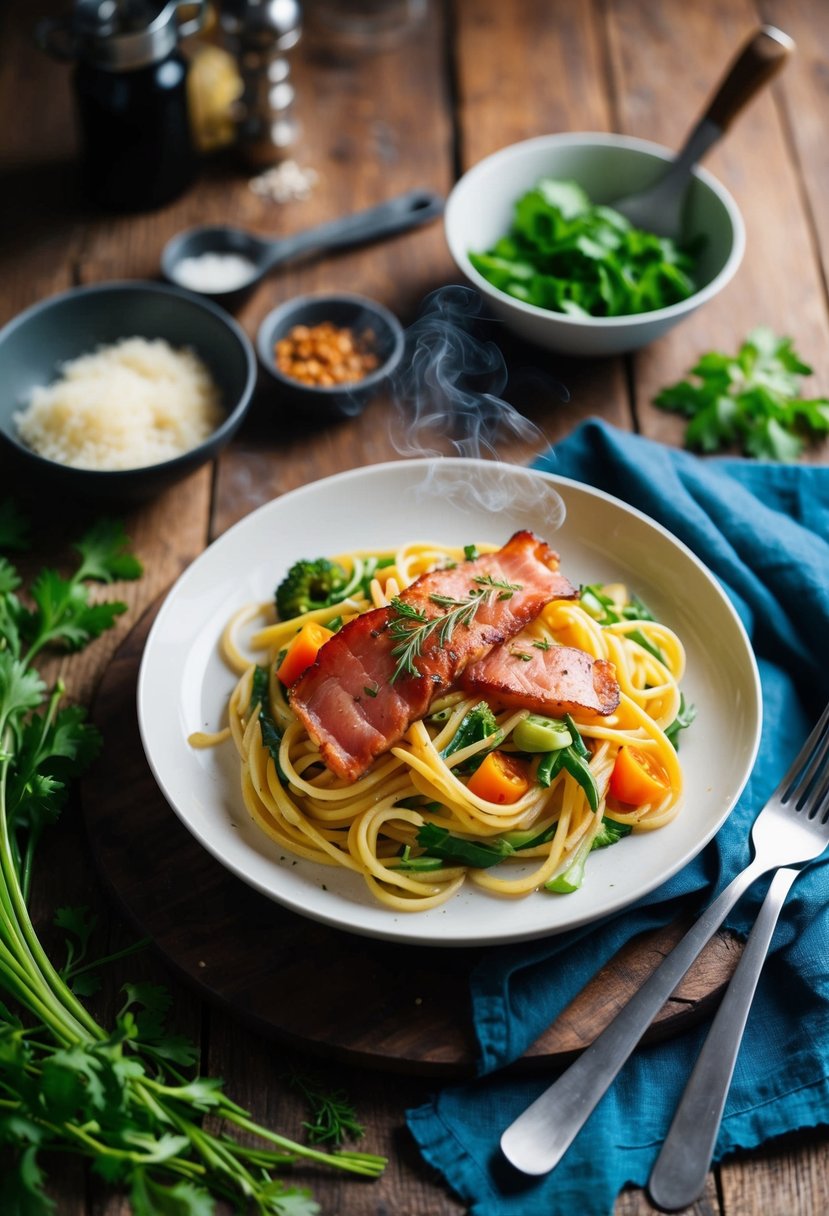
(477, 724)
(125, 1099)
(271, 735)
(751, 399)
(461, 851)
(604, 609)
(682, 721)
(611, 832)
(574, 758)
(568, 255)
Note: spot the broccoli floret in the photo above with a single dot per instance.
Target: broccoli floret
(309, 585)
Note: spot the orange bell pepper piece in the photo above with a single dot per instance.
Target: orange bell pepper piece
(302, 652)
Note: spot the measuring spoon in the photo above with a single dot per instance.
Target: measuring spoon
(263, 254)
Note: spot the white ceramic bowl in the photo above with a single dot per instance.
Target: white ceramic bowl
(479, 210)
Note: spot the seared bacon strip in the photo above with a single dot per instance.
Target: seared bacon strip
(356, 704)
(555, 681)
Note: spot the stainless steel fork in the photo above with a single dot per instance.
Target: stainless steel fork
(791, 829)
(678, 1177)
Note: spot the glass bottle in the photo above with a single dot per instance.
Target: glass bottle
(130, 87)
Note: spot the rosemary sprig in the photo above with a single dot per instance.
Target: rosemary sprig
(411, 628)
(507, 590)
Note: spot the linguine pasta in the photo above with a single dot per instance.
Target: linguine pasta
(370, 826)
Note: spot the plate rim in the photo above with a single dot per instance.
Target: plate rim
(395, 929)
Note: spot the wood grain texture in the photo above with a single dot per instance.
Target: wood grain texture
(474, 76)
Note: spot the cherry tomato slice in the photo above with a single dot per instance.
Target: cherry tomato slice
(500, 778)
(638, 777)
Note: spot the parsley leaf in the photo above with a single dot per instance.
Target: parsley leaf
(568, 255)
(119, 1099)
(751, 400)
(105, 555)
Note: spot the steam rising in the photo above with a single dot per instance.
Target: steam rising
(449, 387)
(451, 382)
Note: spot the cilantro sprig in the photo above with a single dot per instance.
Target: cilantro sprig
(564, 253)
(127, 1098)
(750, 400)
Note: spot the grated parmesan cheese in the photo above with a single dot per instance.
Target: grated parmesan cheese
(124, 406)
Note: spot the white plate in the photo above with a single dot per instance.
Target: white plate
(183, 684)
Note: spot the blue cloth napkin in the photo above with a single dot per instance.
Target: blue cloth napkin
(763, 530)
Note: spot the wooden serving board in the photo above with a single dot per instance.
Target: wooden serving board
(303, 982)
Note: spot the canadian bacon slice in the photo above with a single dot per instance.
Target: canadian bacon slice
(354, 702)
(556, 680)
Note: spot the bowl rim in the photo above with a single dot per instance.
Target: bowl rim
(353, 388)
(225, 428)
(598, 139)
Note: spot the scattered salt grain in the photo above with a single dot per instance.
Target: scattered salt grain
(285, 183)
(214, 272)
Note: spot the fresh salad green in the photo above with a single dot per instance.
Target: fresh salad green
(751, 400)
(569, 255)
(128, 1098)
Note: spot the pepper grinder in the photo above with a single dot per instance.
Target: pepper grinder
(261, 33)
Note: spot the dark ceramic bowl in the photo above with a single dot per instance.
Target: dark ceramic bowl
(346, 311)
(62, 327)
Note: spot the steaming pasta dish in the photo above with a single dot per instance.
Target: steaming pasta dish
(433, 716)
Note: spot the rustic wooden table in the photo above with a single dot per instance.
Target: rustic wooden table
(473, 76)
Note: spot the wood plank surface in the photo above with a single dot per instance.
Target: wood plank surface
(476, 75)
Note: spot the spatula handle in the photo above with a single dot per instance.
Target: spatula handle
(761, 58)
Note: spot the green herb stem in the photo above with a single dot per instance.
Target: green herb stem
(143, 1130)
(355, 1163)
(62, 997)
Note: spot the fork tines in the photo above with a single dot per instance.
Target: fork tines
(807, 781)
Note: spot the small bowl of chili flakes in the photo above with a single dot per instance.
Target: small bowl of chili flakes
(330, 353)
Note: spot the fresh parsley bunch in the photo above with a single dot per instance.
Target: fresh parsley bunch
(125, 1098)
(751, 399)
(569, 255)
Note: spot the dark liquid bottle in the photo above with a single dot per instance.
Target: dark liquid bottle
(137, 148)
(130, 86)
